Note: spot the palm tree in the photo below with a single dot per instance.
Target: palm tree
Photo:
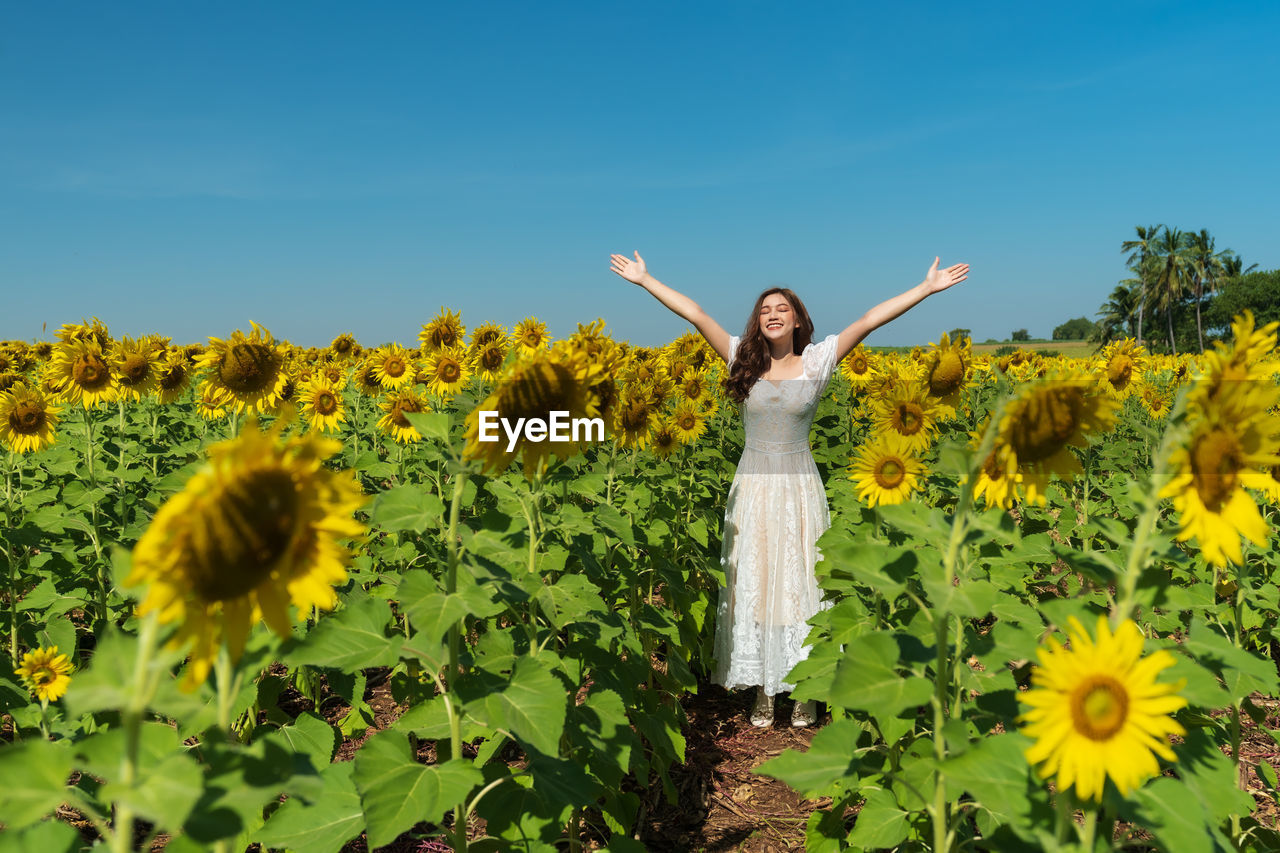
(1233, 265)
(1140, 251)
(1170, 265)
(1205, 268)
(1116, 316)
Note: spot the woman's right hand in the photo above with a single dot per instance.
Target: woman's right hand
(632, 271)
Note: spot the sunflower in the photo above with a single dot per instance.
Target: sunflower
(365, 380)
(663, 440)
(486, 334)
(1239, 363)
(533, 387)
(905, 408)
(1156, 399)
(136, 365)
(46, 673)
(246, 371)
(287, 408)
(1122, 366)
(210, 405)
(1224, 454)
(93, 332)
(322, 405)
(82, 372)
(859, 367)
(530, 336)
(445, 330)
(694, 387)
(8, 380)
(489, 358)
(174, 377)
(1043, 421)
(634, 421)
(42, 351)
(688, 423)
(945, 370)
(257, 528)
(448, 371)
(1098, 711)
(886, 471)
(394, 422)
(27, 420)
(343, 346)
(998, 479)
(392, 366)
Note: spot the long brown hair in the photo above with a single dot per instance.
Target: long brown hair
(752, 358)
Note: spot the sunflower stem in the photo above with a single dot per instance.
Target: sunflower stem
(455, 720)
(11, 586)
(131, 722)
(99, 567)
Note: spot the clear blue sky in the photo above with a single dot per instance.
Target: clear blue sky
(323, 167)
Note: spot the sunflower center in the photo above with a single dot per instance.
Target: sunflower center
(342, 345)
(492, 358)
(135, 370)
(90, 372)
(635, 418)
(173, 377)
(43, 677)
(1120, 371)
(409, 405)
(947, 375)
(688, 421)
(859, 364)
(325, 403)
(393, 367)
(448, 371)
(908, 418)
(27, 418)
(1099, 706)
(248, 368)
(246, 533)
(333, 374)
(1048, 421)
(693, 390)
(1215, 465)
(890, 473)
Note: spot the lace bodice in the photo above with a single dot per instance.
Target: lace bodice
(778, 414)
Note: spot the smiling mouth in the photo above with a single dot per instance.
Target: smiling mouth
(773, 325)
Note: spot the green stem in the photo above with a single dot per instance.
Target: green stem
(131, 715)
(99, 564)
(455, 641)
(11, 586)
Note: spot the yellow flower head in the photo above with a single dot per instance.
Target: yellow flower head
(28, 420)
(945, 370)
(444, 330)
(1098, 711)
(397, 405)
(906, 409)
(322, 404)
(258, 528)
(448, 371)
(343, 346)
(530, 336)
(83, 375)
(136, 364)
(174, 372)
(393, 367)
(246, 371)
(688, 423)
(886, 471)
(1122, 365)
(46, 673)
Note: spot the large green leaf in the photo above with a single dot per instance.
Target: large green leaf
(324, 825)
(866, 679)
(352, 639)
(37, 772)
(531, 707)
(881, 824)
(995, 773)
(166, 794)
(409, 507)
(240, 780)
(396, 792)
(1243, 672)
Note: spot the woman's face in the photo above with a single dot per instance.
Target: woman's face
(777, 320)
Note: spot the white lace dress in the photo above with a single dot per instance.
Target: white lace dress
(776, 510)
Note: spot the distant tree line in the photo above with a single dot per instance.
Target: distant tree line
(1180, 280)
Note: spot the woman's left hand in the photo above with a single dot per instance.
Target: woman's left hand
(937, 279)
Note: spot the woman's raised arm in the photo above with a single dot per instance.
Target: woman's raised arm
(935, 280)
(635, 272)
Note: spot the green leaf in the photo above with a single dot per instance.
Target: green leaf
(866, 680)
(532, 707)
(995, 772)
(166, 794)
(397, 792)
(430, 425)
(613, 521)
(1243, 672)
(50, 836)
(43, 767)
(354, 638)
(828, 765)
(572, 598)
(409, 507)
(323, 826)
(880, 823)
(1172, 813)
(240, 780)
(308, 735)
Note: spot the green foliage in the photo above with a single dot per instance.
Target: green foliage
(1020, 335)
(1079, 329)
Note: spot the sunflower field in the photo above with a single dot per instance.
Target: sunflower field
(256, 596)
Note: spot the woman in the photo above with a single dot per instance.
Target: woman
(777, 505)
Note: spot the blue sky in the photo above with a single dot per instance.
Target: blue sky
(323, 167)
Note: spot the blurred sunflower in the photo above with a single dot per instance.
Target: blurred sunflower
(533, 387)
(1097, 710)
(886, 471)
(245, 371)
(445, 330)
(258, 528)
(210, 405)
(1225, 453)
(687, 423)
(448, 370)
(365, 380)
(46, 673)
(486, 334)
(945, 370)
(530, 336)
(858, 367)
(663, 440)
(392, 367)
(28, 421)
(136, 365)
(1046, 419)
(92, 332)
(343, 346)
(634, 421)
(83, 374)
(322, 405)
(394, 423)
(489, 358)
(907, 410)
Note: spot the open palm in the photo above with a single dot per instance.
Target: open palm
(632, 271)
(942, 279)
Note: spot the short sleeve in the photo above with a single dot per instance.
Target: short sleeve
(734, 340)
(820, 358)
